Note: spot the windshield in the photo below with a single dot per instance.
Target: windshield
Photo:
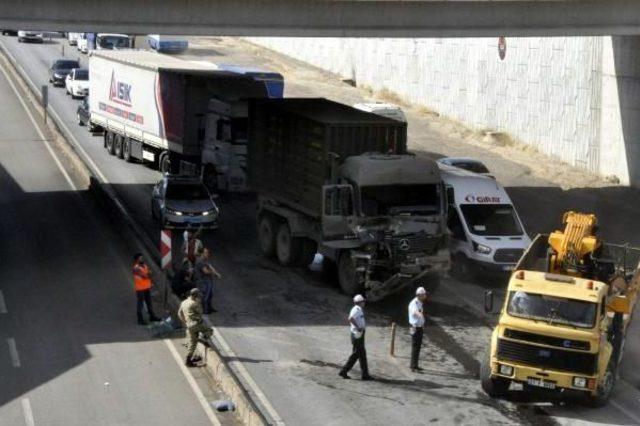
(400, 199)
(109, 42)
(558, 310)
(472, 166)
(177, 191)
(82, 75)
(66, 65)
(491, 219)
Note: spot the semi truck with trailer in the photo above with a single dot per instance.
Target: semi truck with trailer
(565, 316)
(181, 116)
(339, 181)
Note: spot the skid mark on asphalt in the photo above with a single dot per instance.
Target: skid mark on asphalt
(13, 351)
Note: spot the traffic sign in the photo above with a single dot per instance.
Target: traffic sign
(165, 249)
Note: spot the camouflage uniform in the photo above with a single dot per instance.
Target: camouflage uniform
(192, 311)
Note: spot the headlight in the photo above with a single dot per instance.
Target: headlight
(580, 382)
(206, 213)
(506, 370)
(172, 211)
(481, 248)
(56, 75)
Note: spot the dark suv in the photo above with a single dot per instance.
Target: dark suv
(60, 69)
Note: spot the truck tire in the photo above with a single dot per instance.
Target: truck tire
(126, 150)
(604, 390)
(117, 146)
(267, 228)
(164, 163)
(109, 143)
(495, 387)
(309, 250)
(347, 275)
(288, 248)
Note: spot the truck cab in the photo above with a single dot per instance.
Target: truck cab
(487, 235)
(563, 322)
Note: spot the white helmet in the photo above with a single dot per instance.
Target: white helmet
(358, 298)
(420, 290)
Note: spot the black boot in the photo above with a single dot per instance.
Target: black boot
(189, 362)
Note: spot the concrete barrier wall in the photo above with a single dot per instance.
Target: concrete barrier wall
(566, 96)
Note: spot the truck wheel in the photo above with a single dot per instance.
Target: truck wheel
(309, 250)
(126, 150)
(288, 248)
(267, 228)
(110, 143)
(164, 164)
(495, 387)
(347, 275)
(603, 391)
(117, 146)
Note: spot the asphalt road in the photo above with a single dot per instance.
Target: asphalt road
(287, 326)
(71, 352)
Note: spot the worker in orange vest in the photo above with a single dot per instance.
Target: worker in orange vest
(142, 285)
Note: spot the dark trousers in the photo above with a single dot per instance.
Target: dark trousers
(207, 295)
(359, 353)
(144, 296)
(416, 344)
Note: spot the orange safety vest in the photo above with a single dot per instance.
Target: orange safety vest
(141, 280)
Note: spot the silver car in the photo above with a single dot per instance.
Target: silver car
(183, 202)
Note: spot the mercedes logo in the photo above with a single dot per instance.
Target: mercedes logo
(404, 244)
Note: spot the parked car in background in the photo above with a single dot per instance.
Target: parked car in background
(167, 44)
(384, 109)
(59, 70)
(183, 202)
(10, 32)
(72, 38)
(77, 83)
(30, 36)
(105, 41)
(466, 163)
(82, 43)
(84, 115)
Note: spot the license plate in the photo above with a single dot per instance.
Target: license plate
(508, 268)
(540, 383)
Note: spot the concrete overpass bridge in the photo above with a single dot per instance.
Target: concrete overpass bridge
(329, 18)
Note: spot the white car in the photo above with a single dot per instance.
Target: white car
(384, 109)
(30, 36)
(77, 83)
(82, 43)
(468, 164)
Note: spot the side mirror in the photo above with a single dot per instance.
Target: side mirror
(488, 301)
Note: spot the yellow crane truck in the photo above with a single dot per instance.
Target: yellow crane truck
(566, 311)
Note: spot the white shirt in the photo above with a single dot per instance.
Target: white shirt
(416, 316)
(358, 316)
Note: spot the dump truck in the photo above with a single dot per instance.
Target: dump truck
(563, 323)
(183, 117)
(339, 181)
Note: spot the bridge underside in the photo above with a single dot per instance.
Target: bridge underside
(329, 18)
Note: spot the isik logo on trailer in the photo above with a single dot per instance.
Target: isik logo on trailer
(119, 92)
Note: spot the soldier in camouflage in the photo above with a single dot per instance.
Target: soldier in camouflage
(190, 314)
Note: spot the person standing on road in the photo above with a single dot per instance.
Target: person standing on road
(357, 327)
(190, 313)
(192, 247)
(416, 321)
(205, 273)
(142, 285)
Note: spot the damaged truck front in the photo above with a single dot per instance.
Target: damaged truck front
(338, 181)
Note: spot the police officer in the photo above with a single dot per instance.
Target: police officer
(190, 313)
(416, 321)
(359, 353)
(142, 285)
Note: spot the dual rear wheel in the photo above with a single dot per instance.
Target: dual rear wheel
(276, 241)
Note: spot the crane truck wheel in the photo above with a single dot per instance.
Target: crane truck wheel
(117, 146)
(347, 275)
(604, 389)
(267, 228)
(288, 248)
(109, 140)
(495, 387)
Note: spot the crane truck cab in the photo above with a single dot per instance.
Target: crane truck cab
(487, 234)
(563, 323)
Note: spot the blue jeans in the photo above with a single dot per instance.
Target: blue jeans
(206, 287)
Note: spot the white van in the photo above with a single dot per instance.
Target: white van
(384, 109)
(107, 41)
(486, 232)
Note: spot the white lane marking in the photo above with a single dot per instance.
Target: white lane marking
(35, 125)
(3, 306)
(13, 351)
(28, 413)
(628, 413)
(247, 377)
(192, 383)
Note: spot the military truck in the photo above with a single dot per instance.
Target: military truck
(563, 324)
(339, 181)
